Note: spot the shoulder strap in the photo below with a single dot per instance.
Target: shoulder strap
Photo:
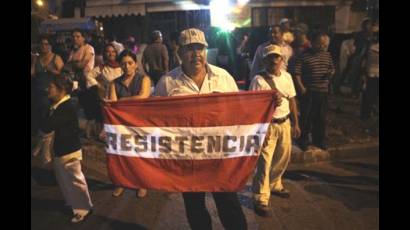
(271, 83)
(268, 79)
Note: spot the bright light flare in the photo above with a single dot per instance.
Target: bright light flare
(241, 3)
(39, 3)
(219, 14)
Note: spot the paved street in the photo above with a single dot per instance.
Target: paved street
(328, 195)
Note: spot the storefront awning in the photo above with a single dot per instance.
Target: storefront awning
(175, 6)
(293, 3)
(115, 10)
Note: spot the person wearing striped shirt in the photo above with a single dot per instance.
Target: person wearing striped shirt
(313, 71)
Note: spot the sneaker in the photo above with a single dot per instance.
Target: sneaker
(118, 191)
(284, 193)
(262, 210)
(77, 218)
(141, 193)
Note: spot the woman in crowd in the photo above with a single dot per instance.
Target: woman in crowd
(98, 81)
(81, 61)
(43, 68)
(131, 85)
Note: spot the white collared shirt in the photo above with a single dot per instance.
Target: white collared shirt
(284, 85)
(65, 98)
(176, 82)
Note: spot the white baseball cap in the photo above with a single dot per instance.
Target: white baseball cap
(271, 49)
(192, 35)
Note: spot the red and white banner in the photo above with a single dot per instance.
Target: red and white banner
(205, 142)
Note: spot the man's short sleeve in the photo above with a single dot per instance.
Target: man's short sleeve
(256, 84)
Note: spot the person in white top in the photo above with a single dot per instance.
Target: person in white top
(103, 74)
(97, 82)
(276, 37)
(81, 61)
(275, 153)
(195, 76)
(82, 56)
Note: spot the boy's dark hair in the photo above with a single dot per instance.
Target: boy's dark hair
(63, 82)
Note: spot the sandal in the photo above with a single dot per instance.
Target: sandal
(77, 218)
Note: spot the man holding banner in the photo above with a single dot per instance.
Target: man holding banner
(191, 139)
(195, 76)
(276, 150)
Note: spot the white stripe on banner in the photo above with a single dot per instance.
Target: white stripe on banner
(185, 142)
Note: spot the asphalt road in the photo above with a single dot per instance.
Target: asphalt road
(327, 195)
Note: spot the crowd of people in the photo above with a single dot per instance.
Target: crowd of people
(295, 63)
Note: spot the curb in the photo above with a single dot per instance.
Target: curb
(334, 153)
(94, 157)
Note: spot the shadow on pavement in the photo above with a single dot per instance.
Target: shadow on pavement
(43, 177)
(50, 205)
(352, 198)
(355, 192)
(93, 222)
(298, 175)
(119, 225)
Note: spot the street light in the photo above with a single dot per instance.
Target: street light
(39, 3)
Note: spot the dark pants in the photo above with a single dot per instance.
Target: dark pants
(313, 109)
(227, 204)
(370, 96)
(95, 104)
(85, 100)
(91, 103)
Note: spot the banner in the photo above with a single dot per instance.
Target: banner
(206, 142)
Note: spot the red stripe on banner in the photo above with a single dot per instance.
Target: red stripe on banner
(218, 109)
(220, 175)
